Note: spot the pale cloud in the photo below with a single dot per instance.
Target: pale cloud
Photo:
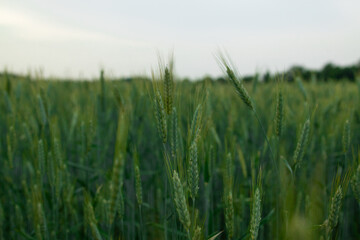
(32, 28)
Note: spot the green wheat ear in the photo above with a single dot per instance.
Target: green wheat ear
(239, 87)
(229, 213)
(138, 185)
(355, 184)
(40, 161)
(180, 202)
(255, 215)
(160, 116)
(116, 185)
(197, 234)
(300, 147)
(120, 208)
(334, 212)
(193, 171)
(9, 150)
(168, 90)
(90, 217)
(196, 124)
(43, 114)
(228, 197)
(229, 171)
(279, 114)
(19, 217)
(346, 136)
(174, 134)
(2, 220)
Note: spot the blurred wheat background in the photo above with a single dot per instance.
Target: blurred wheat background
(168, 159)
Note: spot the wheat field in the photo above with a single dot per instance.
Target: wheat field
(168, 159)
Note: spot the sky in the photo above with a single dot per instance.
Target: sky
(75, 38)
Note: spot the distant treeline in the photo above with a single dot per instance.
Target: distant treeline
(330, 72)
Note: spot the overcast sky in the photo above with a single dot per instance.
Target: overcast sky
(73, 38)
